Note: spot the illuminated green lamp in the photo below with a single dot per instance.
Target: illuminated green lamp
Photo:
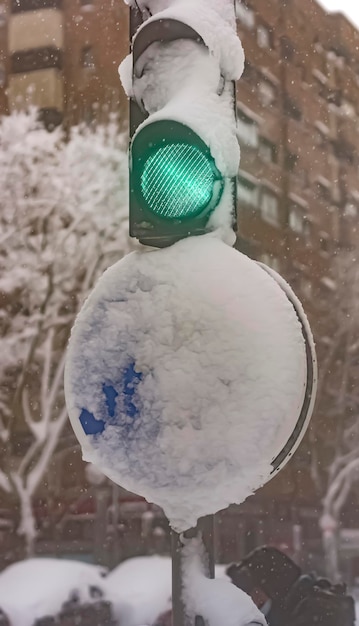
(173, 173)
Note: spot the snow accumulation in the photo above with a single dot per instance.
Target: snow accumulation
(140, 589)
(218, 601)
(183, 81)
(185, 376)
(214, 20)
(38, 587)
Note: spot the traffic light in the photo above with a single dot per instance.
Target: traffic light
(184, 154)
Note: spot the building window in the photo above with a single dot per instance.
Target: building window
(324, 242)
(291, 160)
(88, 58)
(247, 191)
(291, 109)
(2, 15)
(296, 219)
(18, 6)
(249, 72)
(350, 210)
(306, 287)
(287, 49)
(270, 208)
(344, 150)
(37, 59)
(307, 231)
(267, 150)
(267, 92)
(270, 260)
(323, 190)
(245, 14)
(2, 75)
(348, 109)
(247, 129)
(322, 131)
(264, 36)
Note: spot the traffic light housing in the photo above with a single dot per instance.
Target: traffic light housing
(182, 175)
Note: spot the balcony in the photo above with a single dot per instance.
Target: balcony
(19, 6)
(42, 88)
(38, 59)
(36, 29)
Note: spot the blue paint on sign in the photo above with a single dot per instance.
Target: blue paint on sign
(90, 424)
(131, 378)
(110, 395)
(114, 401)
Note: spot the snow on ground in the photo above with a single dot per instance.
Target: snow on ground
(218, 601)
(185, 376)
(139, 588)
(38, 587)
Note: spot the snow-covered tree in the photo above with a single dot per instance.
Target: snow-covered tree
(63, 220)
(335, 438)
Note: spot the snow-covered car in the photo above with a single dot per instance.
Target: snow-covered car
(140, 589)
(40, 587)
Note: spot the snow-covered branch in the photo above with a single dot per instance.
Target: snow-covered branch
(36, 474)
(5, 484)
(63, 219)
(335, 457)
(348, 471)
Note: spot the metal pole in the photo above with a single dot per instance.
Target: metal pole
(205, 528)
(115, 521)
(100, 525)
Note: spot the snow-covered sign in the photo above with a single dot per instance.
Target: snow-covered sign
(186, 375)
(38, 588)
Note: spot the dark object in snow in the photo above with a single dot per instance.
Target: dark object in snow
(287, 596)
(95, 592)
(48, 620)
(76, 614)
(266, 570)
(4, 620)
(91, 614)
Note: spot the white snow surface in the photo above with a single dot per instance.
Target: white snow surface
(140, 589)
(214, 20)
(218, 601)
(205, 360)
(38, 587)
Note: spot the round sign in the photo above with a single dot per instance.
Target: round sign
(186, 375)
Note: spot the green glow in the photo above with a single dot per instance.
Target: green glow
(177, 181)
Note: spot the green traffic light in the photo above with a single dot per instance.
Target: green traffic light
(177, 181)
(174, 173)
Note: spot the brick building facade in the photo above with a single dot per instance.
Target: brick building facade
(298, 188)
(62, 56)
